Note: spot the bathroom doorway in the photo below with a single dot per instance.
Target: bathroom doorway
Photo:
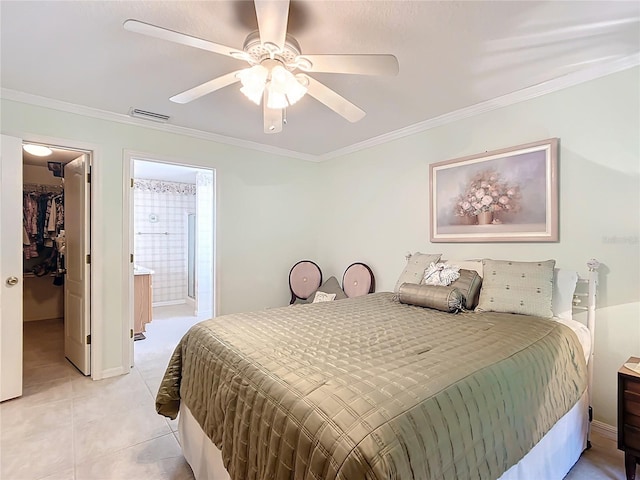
(172, 219)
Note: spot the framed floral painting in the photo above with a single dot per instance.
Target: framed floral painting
(508, 195)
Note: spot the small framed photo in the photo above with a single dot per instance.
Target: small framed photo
(508, 195)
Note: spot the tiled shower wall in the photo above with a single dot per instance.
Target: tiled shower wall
(160, 229)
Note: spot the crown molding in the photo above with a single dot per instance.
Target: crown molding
(528, 93)
(54, 104)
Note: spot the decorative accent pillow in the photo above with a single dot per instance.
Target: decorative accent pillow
(446, 299)
(517, 287)
(414, 270)
(564, 286)
(331, 285)
(469, 284)
(440, 274)
(323, 297)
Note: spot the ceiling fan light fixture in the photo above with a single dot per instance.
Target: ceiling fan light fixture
(253, 80)
(276, 99)
(295, 90)
(281, 86)
(241, 56)
(37, 150)
(253, 94)
(303, 64)
(271, 47)
(284, 84)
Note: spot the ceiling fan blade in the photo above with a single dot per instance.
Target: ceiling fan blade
(355, 64)
(206, 88)
(272, 119)
(335, 102)
(273, 16)
(181, 38)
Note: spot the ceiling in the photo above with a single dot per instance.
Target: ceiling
(453, 56)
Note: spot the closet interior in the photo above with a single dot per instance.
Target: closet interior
(44, 244)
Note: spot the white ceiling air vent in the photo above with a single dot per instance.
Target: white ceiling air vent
(154, 117)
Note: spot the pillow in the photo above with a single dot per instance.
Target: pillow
(447, 299)
(564, 286)
(440, 274)
(331, 285)
(517, 287)
(319, 297)
(469, 284)
(414, 270)
(466, 264)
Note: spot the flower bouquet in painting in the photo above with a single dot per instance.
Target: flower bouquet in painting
(486, 199)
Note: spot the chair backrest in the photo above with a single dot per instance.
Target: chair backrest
(305, 278)
(358, 280)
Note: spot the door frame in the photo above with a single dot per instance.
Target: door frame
(129, 156)
(96, 216)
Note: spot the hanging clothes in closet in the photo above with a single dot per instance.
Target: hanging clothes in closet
(43, 222)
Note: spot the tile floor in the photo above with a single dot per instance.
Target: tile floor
(68, 427)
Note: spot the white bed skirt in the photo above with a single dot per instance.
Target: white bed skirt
(551, 458)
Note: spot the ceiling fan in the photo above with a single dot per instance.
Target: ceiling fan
(277, 75)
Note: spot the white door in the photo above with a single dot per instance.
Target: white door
(77, 321)
(10, 268)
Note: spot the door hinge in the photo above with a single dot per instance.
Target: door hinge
(88, 259)
(132, 183)
(89, 177)
(89, 339)
(131, 258)
(131, 333)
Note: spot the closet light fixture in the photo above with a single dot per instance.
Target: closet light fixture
(37, 150)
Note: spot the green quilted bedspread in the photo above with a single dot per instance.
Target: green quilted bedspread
(368, 388)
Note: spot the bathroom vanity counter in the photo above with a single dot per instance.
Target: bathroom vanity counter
(143, 294)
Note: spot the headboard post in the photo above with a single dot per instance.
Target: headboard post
(593, 266)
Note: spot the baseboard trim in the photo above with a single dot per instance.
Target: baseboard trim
(168, 302)
(604, 429)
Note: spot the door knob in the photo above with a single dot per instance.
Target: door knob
(12, 281)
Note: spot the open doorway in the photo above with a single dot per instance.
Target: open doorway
(172, 219)
(56, 260)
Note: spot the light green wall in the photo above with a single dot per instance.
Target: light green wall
(263, 221)
(377, 203)
(372, 206)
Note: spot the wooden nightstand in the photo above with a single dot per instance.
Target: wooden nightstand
(629, 417)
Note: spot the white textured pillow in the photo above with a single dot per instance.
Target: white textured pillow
(414, 270)
(323, 297)
(517, 287)
(441, 274)
(564, 286)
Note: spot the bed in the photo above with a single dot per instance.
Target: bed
(373, 388)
